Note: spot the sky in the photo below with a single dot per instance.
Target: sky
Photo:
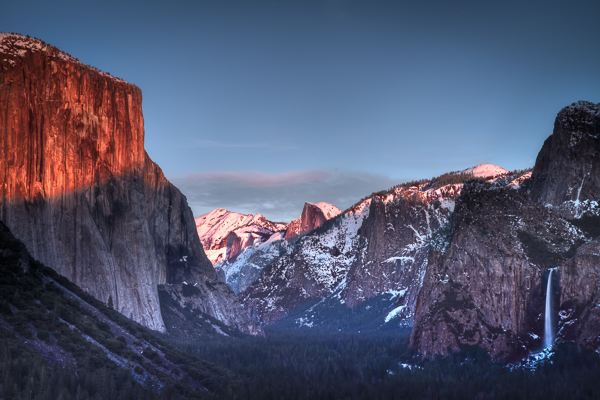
(259, 106)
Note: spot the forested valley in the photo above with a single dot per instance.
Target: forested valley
(309, 364)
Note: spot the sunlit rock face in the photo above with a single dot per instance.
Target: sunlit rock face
(224, 233)
(313, 216)
(65, 125)
(80, 191)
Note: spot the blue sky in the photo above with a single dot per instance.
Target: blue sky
(258, 106)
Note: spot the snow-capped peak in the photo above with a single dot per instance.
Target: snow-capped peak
(485, 171)
(215, 228)
(328, 209)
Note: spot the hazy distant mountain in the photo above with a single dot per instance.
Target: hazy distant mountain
(241, 245)
(224, 233)
(486, 171)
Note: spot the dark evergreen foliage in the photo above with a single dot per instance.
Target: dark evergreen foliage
(309, 364)
(46, 352)
(55, 346)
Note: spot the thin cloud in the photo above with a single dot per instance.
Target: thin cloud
(260, 179)
(204, 143)
(226, 145)
(277, 196)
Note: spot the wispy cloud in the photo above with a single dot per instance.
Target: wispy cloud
(204, 143)
(278, 196)
(260, 179)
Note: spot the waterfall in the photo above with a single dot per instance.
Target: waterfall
(548, 336)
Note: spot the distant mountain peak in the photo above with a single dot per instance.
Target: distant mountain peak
(225, 233)
(313, 216)
(485, 171)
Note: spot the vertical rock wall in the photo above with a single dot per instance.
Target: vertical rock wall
(485, 281)
(79, 190)
(567, 168)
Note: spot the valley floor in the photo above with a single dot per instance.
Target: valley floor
(309, 364)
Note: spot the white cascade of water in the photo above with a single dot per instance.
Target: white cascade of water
(548, 336)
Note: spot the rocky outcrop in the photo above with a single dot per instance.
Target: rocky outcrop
(394, 242)
(79, 190)
(567, 170)
(313, 216)
(488, 270)
(485, 279)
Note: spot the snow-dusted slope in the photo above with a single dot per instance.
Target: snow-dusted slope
(241, 246)
(224, 233)
(378, 250)
(516, 183)
(246, 267)
(308, 267)
(328, 209)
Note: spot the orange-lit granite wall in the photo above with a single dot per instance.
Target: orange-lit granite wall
(64, 126)
(79, 190)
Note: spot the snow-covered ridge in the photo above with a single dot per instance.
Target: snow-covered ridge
(329, 210)
(485, 171)
(216, 227)
(516, 183)
(446, 185)
(15, 45)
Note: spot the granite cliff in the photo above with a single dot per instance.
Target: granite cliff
(313, 216)
(484, 284)
(567, 170)
(488, 268)
(82, 194)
